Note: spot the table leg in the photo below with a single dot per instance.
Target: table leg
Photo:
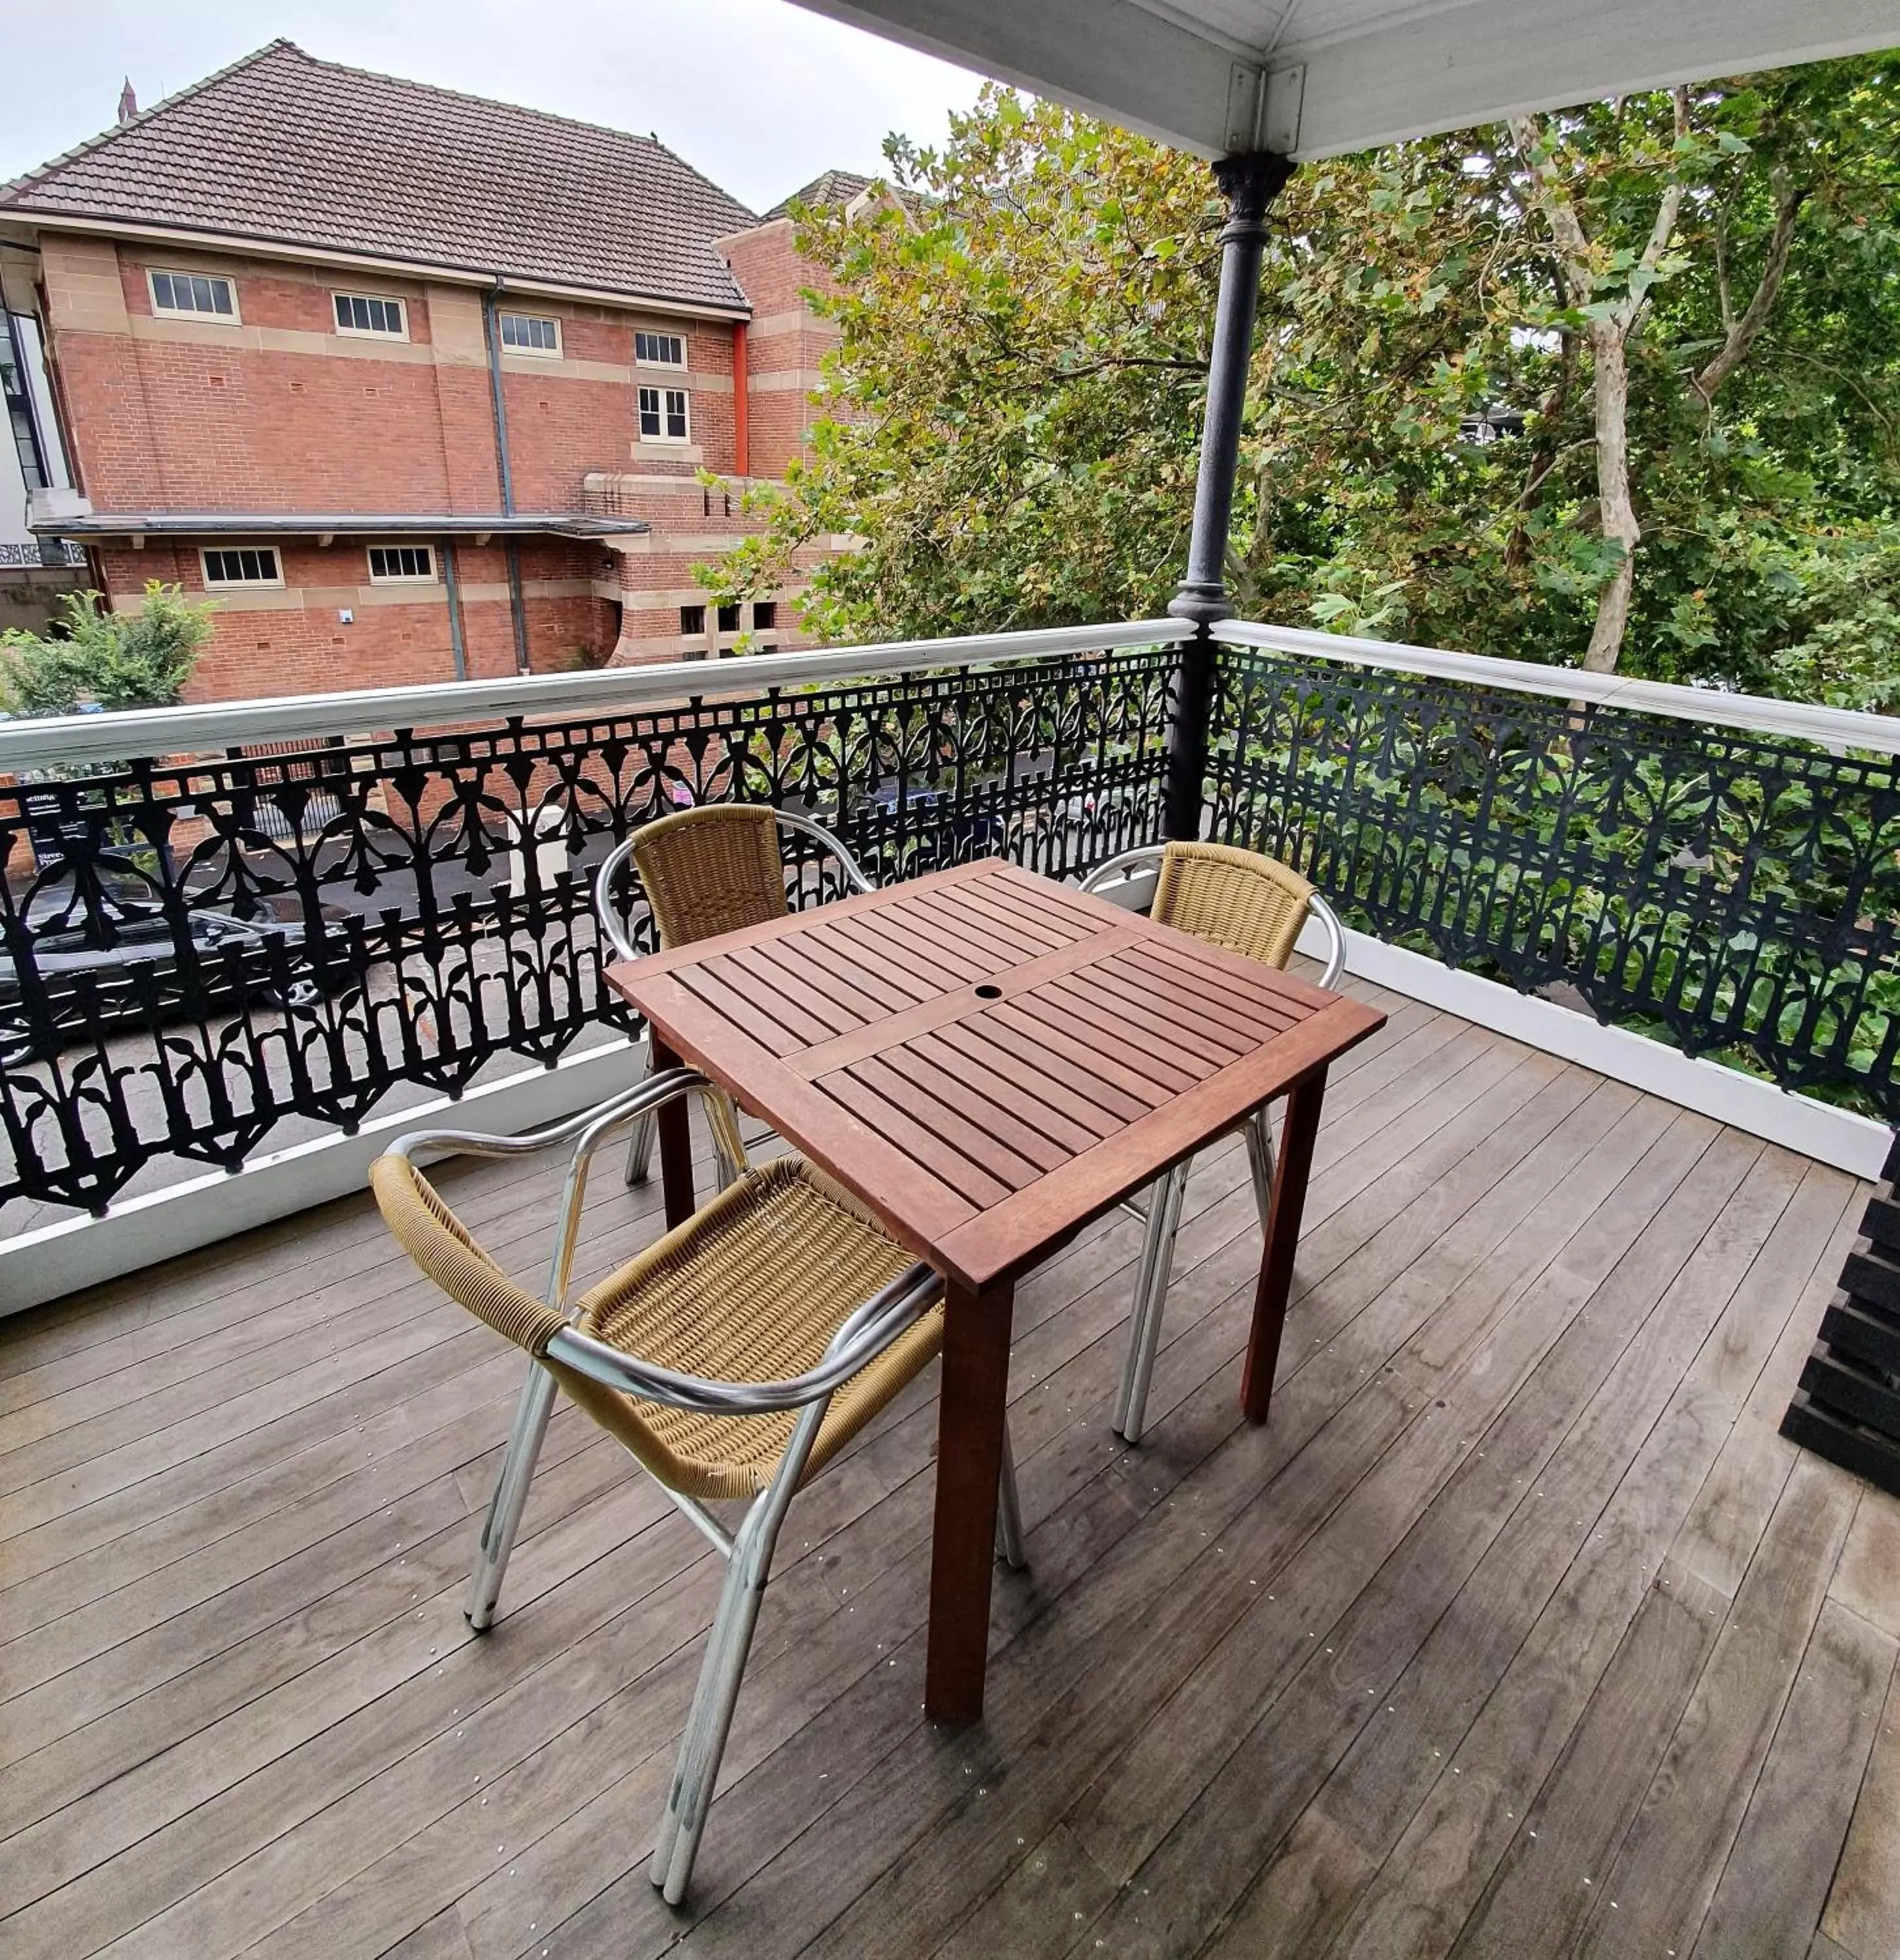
(970, 1459)
(675, 1143)
(1297, 1132)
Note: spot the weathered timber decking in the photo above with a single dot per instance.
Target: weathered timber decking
(1518, 1630)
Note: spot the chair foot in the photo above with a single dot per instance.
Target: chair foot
(1150, 1293)
(510, 1497)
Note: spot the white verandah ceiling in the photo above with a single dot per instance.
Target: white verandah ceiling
(1319, 78)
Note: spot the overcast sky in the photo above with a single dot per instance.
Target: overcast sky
(758, 94)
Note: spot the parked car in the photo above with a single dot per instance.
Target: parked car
(113, 965)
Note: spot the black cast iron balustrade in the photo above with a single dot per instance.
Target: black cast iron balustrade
(1736, 894)
(195, 949)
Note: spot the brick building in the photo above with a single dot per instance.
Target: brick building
(416, 385)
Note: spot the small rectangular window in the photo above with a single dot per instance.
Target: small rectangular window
(660, 350)
(193, 295)
(530, 333)
(663, 414)
(401, 564)
(358, 313)
(729, 619)
(692, 619)
(765, 614)
(243, 564)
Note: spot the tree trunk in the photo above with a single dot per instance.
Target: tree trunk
(1611, 382)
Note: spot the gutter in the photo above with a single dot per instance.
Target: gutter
(50, 522)
(238, 244)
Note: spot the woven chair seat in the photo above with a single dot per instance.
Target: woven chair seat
(751, 1289)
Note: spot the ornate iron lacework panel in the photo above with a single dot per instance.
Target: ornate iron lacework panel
(194, 950)
(1738, 896)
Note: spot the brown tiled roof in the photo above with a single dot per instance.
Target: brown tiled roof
(280, 146)
(833, 187)
(839, 187)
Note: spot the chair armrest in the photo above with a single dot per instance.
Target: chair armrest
(591, 1126)
(1123, 867)
(1336, 959)
(603, 906)
(587, 1130)
(855, 875)
(864, 1334)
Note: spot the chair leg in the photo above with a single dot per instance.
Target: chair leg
(1009, 1512)
(640, 1137)
(1150, 1291)
(697, 1771)
(511, 1497)
(1260, 1162)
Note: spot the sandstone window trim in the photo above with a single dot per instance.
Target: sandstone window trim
(402, 565)
(369, 316)
(659, 350)
(537, 334)
(241, 567)
(177, 294)
(666, 415)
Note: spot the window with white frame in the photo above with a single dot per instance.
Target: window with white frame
(242, 564)
(363, 312)
(660, 350)
(664, 415)
(193, 296)
(530, 333)
(401, 564)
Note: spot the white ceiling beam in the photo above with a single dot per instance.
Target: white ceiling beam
(1110, 57)
(1419, 67)
(1428, 73)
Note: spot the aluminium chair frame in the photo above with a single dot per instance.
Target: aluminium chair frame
(863, 1335)
(1160, 1215)
(640, 1143)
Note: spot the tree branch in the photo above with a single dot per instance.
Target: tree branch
(1740, 339)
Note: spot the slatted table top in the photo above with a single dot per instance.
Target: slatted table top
(988, 1059)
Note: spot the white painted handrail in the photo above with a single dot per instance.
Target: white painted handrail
(209, 727)
(1834, 728)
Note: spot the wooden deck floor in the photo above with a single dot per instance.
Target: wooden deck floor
(1517, 1632)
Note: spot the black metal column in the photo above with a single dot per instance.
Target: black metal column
(1250, 183)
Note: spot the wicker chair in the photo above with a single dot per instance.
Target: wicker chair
(1255, 906)
(706, 871)
(734, 1359)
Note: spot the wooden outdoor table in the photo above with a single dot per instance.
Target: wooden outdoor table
(989, 1060)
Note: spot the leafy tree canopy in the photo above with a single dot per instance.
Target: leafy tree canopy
(117, 660)
(1622, 382)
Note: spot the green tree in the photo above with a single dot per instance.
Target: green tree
(118, 660)
(1686, 305)
(1012, 408)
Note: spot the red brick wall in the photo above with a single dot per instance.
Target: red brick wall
(785, 343)
(292, 641)
(277, 411)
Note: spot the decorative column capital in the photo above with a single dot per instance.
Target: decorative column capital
(1250, 181)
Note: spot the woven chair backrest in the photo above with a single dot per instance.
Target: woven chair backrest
(711, 870)
(1251, 905)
